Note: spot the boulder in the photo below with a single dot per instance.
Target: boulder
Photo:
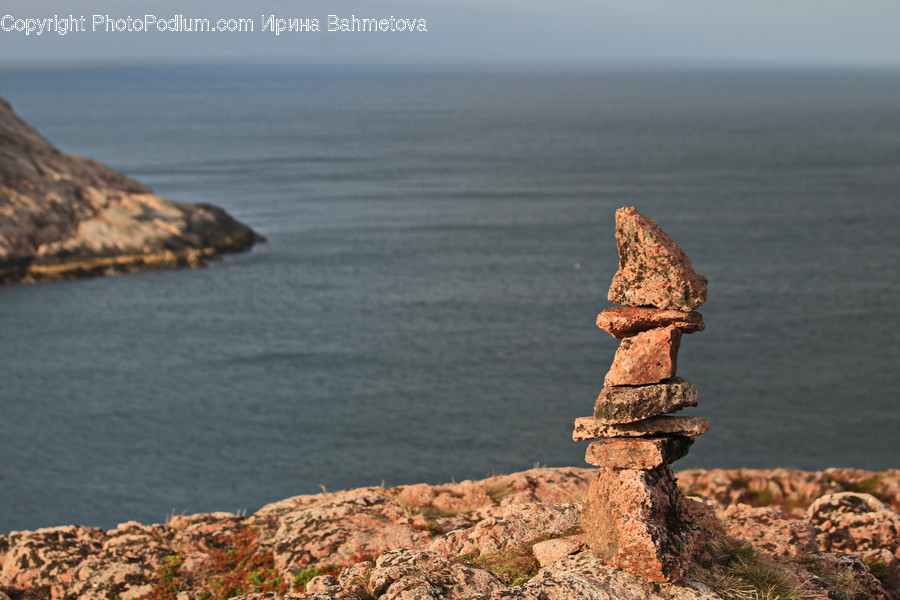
(628, 404)
(767, 528)
(520, 524)
(855, 523)
(644, 358)
(624, 321)
(637, 520)
(653, 269)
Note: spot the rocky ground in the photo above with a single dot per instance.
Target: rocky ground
(774, 534)
(63, 216)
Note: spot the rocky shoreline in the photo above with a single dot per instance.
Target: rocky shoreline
(799, 534)
(64, 216)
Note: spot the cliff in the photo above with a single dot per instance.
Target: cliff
(63, 216)
(776, 534)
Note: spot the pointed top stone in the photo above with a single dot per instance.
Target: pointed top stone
(653, 269)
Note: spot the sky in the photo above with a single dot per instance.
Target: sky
(789, 32)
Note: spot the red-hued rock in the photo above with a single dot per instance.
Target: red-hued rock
(50, 555)
(584, 577)
(856, 523)
(645, 358)
(791, 489)
(528, 509)
(520, 524)
(636, 520)
(767, 528)
(458, 498)
(869, 586)
(552, 550)
(653, 269)
(343, 527)
(884, 485)
(589, 428)
(637, 453)
(413, 574)
(90, 564)
(623, 321)
(860, 524)
(628, 404)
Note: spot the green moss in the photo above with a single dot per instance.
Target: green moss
(513, 567)
(760, 497)
(304, 577)
(869, 485)
(307, 575)
(879, 569)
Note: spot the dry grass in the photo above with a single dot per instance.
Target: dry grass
(842, 582)
(736, 571)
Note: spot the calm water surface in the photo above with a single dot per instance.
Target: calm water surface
(440, 242)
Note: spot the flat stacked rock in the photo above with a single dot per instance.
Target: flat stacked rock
(635, 518)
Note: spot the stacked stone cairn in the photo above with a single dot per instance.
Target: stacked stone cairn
(635, 517)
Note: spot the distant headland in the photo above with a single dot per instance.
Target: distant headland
(64, 216)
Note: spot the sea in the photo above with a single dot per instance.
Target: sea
(440, 241)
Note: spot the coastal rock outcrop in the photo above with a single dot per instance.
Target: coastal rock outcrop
(510, 536)
(64, 216)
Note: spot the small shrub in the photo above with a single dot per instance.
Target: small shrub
(234, 566)
(242, 568)
(169, 581)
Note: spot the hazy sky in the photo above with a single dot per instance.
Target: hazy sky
(825, 32)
